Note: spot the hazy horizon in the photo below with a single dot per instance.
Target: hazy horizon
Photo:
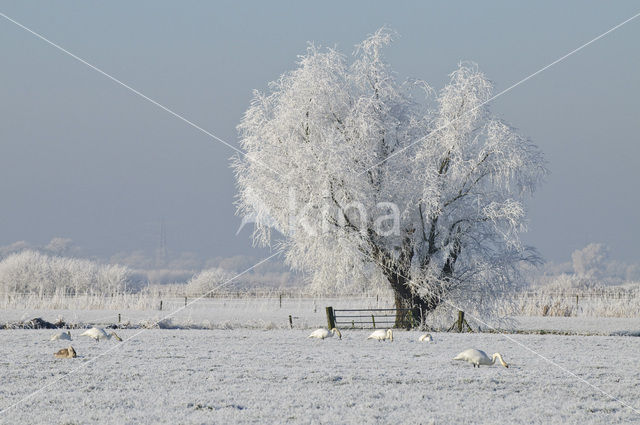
(84, 158)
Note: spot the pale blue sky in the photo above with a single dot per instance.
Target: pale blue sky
(83, 158)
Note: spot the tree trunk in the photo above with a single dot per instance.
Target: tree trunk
(411, 309)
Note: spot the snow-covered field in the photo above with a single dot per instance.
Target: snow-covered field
(259, 313)
(306, 313)
(280, 376)
(247, 366)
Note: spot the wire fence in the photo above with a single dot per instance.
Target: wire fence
(608, 302)
(573, 295)
(604, 294)
(160, 301)
(244, 293)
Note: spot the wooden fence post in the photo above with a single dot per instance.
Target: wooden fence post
(160, 305)
(460, 320)
(185, 301)
(373, 320)
(290, 322)
(118, 317)
(331, 319)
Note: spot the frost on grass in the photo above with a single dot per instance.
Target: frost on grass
(251, 376)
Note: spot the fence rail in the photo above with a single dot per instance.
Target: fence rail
(377, 316)
(618, 294)
(605, 293)
(216, 294)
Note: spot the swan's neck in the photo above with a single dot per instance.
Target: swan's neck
(499, 357)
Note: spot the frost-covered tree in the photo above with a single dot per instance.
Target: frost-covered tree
(591, 261)
(59, 246)
(207, 280)
(368, 176)
(36, 273)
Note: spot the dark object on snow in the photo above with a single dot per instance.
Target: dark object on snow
(66, 353)
(38, 323)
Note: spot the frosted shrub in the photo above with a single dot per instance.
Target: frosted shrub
(207, 281)
(591, 260)
(112, 278)
(30, 272)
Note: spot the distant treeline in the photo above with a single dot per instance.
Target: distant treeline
(45, 274)
(34, 272)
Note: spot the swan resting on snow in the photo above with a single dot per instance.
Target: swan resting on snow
(65, 353)
(478, 357)
(324, 333)
(99, 333)
(62, 335)
(381, 335)
(425, 337)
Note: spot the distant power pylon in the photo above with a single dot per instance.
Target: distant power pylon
(161, 258)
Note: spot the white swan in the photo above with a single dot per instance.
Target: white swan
(324, 333)
(65, 353)
(62, 335)
(425, 337)
(381, 335)
(478, 357)
(99, 333)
